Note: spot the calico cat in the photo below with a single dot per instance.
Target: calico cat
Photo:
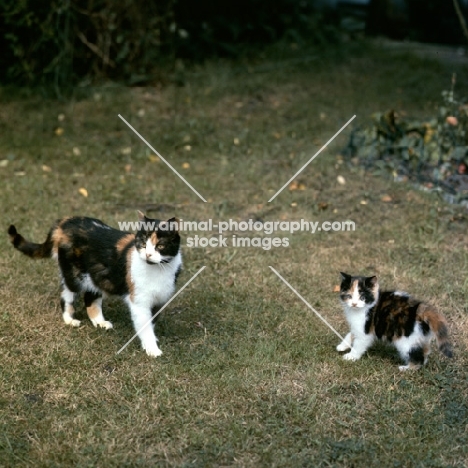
(391, 316)
(97, 260)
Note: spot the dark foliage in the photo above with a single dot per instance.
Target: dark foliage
(66, 41)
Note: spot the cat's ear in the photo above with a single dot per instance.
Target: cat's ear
(141, 216)
(173, 224)
(345, 276)
(371, 281)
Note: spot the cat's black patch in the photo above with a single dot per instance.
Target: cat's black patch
(425, 328)
(416, 356)
(89, 297)
(366, 289)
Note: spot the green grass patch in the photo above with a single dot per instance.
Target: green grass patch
(249, 376)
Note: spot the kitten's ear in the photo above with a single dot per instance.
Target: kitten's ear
(345, 276)
(371, 281)
(141, 216)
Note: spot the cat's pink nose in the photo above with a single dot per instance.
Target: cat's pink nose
(353, 304)
(148, 255)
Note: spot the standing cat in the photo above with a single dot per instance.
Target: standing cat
(391, 316)
(97, 260)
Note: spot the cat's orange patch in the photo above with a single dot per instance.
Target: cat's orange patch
(93, 311)
(128, 276)
(154, 238)
(436, 321)
(353, 287)
(123, 243)
(59, 238)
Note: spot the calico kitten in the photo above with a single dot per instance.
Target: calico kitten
(391, 316)
(97, 260)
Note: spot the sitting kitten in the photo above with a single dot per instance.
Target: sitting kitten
(391, 316)
(96, 260)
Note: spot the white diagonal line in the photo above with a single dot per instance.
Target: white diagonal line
(161, 309)
(149, 146)
(312, 158)
(309, 306)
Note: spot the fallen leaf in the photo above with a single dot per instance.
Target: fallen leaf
(336, 288)
(186, 165)
(20, 173)
(46, 168)
(153, 158)
(187, 148)
(341, 180)
(452, 120)
(293, 185)
(61, 117)
(236, 141)
(83, 192)
(301, 187)
(387, 198)
(4, 163)
(363, 202)
(293, 204)
(126, 150)
(128, 167)
(141, 113)
(59, 131)
(76, 151)
(391, 241)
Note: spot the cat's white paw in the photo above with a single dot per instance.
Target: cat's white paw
(153, 350)
(107, 325)
(403, 368)
(351, 357)
(69, 320)
(342, 347)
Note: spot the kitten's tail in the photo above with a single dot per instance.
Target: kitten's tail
(30, 248)
(438, 325)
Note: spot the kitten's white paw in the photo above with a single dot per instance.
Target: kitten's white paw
(351, 357)
(152, 350)
(342, 347)
(403, 368)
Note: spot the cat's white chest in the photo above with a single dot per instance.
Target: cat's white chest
(152, 284)
(356, 319)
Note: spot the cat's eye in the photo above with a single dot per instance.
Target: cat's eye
(160, 246)
(346, 296)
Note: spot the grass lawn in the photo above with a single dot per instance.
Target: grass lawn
(249, 375)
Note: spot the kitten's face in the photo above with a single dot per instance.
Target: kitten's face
(357, 292)
(159, 244)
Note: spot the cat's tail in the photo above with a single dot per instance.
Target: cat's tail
(439, 327)
(30, 248)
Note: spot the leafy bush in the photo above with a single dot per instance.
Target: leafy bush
(68, 40)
